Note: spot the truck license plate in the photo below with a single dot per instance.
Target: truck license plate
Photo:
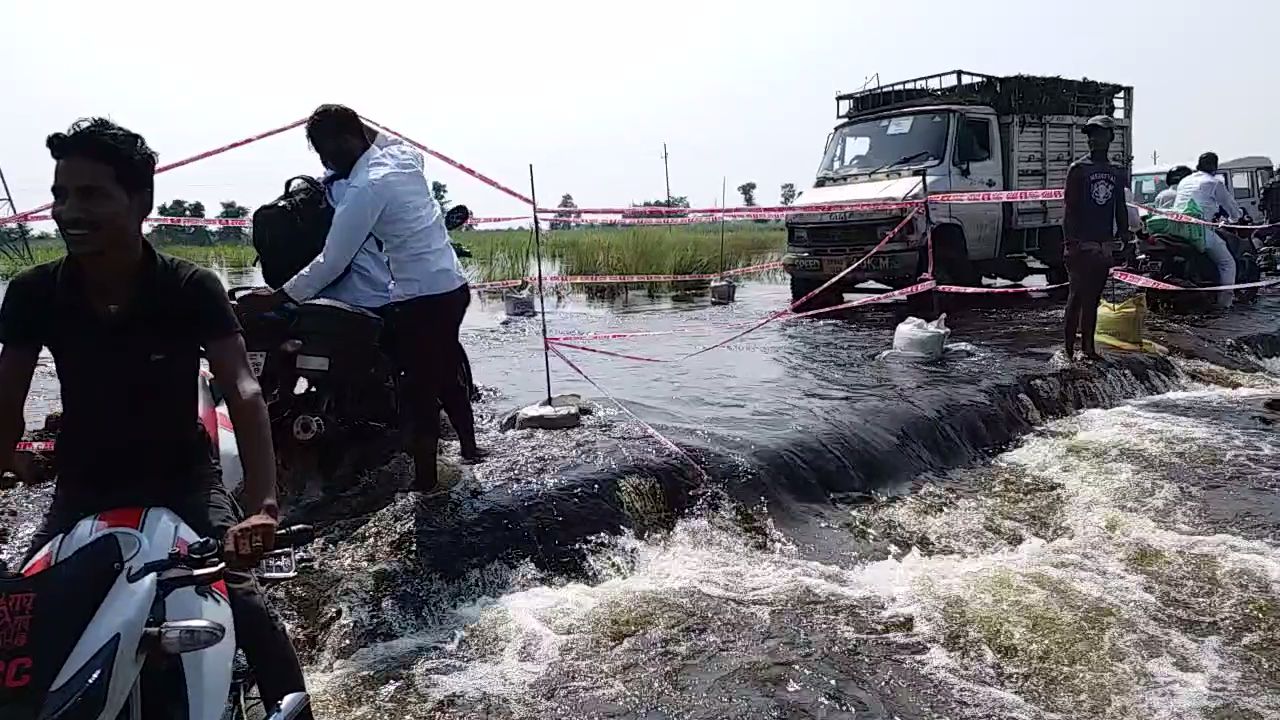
(871, 264)
(257, 360)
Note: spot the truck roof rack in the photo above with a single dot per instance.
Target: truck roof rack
(1013, 95)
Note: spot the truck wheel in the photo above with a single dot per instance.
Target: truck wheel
(1056, 275)
(951, 264)
(803, 286)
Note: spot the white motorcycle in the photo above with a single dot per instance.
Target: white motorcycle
(126, 617)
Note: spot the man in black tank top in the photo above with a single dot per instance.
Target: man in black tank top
(1095, 215)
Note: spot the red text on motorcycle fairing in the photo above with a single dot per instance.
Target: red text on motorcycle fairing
(16, 673)
(15, 619)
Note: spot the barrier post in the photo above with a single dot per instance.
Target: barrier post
(930, 295)
(542, 297)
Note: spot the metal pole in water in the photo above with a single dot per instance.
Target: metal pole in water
(542, 299)
(723, 205)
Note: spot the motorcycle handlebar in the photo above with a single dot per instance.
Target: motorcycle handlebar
(235, 292)
(295, 536)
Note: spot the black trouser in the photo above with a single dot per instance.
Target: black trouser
(210, 511)
(1088, 265)
(425, 345)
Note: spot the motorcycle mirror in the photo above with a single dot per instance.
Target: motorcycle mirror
(457, 216)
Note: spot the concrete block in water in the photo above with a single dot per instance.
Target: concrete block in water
(548, 417)
(723, 292)
(512, 419)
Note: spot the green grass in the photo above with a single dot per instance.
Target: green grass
(226, 256)
(681, 250)
(508, 254)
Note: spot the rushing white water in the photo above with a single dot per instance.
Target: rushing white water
(1090, 572)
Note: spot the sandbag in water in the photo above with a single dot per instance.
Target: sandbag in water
(919, 339)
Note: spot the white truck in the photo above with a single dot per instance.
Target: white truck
(954, 132)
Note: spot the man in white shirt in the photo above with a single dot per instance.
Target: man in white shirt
(387, 199)
(1203, 194)
(366, 281)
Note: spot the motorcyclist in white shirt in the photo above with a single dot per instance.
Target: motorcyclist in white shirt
(1203, 194)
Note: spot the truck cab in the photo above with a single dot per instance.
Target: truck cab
(955, 132)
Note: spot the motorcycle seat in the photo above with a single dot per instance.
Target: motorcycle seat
(338, 305)
(42, 618)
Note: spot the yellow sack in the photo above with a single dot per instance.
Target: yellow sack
(1123, 325)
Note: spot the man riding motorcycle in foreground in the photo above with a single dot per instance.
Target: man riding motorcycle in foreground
(126, 326)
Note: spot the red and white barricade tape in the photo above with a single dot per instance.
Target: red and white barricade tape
(246, 222)
(455, 164)
(1022, 289)
(883, 297)
(21, 217)
(625, 279)
(662, 439)
(1143, 281)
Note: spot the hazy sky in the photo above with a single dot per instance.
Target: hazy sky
(589, 91)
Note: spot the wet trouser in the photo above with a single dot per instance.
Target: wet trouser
(1218, 251)
(210, 511)
(425, 345)
(1088, 264)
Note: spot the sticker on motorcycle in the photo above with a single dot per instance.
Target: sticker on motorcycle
(312, 362)
(257, 360)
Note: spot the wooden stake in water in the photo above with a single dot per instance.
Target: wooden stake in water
(542, 298)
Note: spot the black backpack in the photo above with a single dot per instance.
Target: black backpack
(289, 232)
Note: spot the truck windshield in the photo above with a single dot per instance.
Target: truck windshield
(881, 143)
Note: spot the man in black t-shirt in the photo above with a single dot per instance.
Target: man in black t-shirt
(126, 327)
(1095, 215)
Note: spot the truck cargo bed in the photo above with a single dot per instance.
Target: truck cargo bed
(1038, 153)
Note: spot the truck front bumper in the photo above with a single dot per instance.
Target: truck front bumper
(887, 264)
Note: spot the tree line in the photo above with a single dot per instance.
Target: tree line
(566, 215)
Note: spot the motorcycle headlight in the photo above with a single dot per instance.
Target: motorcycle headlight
(84, 695)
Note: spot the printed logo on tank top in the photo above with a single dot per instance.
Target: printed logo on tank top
(1102, 185)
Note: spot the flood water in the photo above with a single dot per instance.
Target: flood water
(880, 539)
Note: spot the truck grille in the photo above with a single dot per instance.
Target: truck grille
(841, 235)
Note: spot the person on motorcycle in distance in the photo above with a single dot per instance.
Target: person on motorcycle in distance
(1166, 198)
(1203, 194)
(126, 326)
(1095, 214)
(388, 196)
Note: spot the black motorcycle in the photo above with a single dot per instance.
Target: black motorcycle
(1170, 259)
(331, 387)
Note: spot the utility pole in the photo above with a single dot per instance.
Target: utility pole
(666, 172)
(1155, 158)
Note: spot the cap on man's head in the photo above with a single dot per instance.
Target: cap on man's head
(1103, 122)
